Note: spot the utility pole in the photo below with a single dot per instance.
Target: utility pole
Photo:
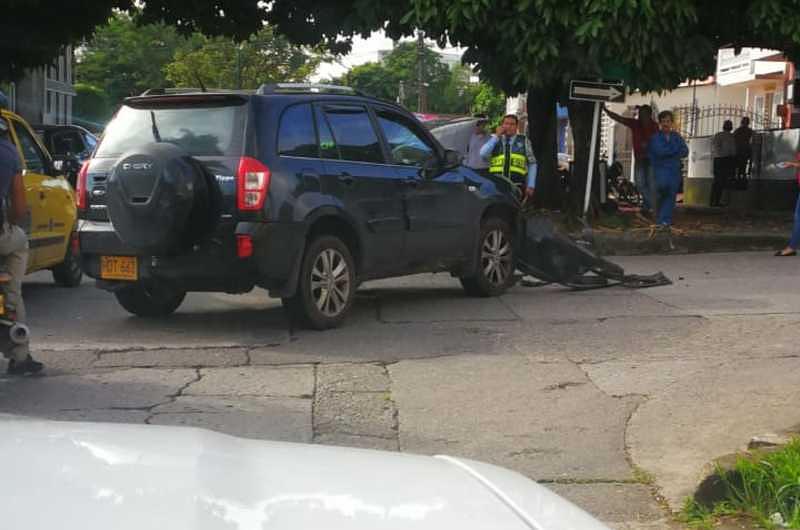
(401, 94)
(422, 100)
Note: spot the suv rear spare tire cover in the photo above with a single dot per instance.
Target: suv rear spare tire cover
(158, 199)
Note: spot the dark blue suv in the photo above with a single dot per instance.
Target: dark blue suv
(304, 190)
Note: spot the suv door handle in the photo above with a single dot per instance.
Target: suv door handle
(346, 179)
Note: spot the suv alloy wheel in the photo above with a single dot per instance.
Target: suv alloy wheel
(326, 287)
(496, 260)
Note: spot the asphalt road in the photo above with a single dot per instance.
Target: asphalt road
(611, 397)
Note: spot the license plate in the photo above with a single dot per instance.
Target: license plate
(119, 268)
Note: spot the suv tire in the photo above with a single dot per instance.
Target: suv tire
(326, 287)
(496, 260)
(68, 273)
(150, 301)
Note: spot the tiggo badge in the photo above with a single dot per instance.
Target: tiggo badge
(137, 166)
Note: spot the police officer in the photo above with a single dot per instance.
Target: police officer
(510, 155)
(14, 247)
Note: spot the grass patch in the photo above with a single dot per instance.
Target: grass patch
(642, 476)
(764, 486)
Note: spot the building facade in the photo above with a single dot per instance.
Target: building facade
(45, 94)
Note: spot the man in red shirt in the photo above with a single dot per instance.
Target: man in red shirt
(642, 128)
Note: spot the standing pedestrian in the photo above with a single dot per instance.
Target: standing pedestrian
(666, 149)
(510, 155)
(744, 149)
(14, 247)
(642, 128)
(723, 149)
(477, 140)
(794, 241)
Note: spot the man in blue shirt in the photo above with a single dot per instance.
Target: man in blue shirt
(666, 149)
(510, 156)
(14, 248)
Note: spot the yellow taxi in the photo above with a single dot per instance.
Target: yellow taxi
(51, 204)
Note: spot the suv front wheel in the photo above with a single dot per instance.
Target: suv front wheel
(326, 287)
(146, 300)
(496, 260)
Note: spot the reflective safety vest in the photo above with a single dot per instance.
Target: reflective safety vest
(515, 166)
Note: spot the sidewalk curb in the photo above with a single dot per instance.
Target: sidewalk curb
(627, 245)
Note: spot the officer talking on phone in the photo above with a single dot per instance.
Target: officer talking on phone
(510, 155)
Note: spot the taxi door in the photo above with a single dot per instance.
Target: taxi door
(35, 165)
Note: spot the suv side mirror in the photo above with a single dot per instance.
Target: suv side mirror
(452, 159)
(430, 167)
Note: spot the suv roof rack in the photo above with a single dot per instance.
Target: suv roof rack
(307, 88)
(168, 91)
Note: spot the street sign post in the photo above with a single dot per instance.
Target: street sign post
(597, 92)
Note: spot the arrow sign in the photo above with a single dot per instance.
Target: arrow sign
(595, 91)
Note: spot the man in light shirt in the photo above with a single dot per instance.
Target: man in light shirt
(476, 141)
(723, 149)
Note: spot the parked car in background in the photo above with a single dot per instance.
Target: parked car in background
(96, 476)
(65, 142)
(51, 201)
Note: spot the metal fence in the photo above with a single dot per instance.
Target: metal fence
(708, 120)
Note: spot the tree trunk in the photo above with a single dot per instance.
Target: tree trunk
(543, 132)
(581, 114)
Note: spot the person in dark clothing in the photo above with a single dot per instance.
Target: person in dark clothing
(666, 149)
(743, 135)
(723, 149)
(14, 247)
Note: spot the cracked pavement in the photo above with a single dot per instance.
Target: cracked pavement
(616, 399)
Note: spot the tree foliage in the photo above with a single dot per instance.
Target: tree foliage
(489, 101)
(222, 62)
(124, 59)
(448, 89)
(33, 32)
(91, 104)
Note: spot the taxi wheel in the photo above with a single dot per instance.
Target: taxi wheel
(68, 273)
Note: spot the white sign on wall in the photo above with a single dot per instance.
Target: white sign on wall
(737, 68)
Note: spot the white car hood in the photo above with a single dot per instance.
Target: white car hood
(91, 476)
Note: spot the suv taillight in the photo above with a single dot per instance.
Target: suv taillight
(252, 184)
(81, 191)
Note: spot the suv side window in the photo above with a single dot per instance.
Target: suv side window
(34, 159)
(327, 145)
(406, 144)
(354, 134)
(296, 136)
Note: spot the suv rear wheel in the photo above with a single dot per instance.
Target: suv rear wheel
(495, 272)
(326, 287)
(147, 300)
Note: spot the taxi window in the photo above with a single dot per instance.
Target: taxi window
(34, 158)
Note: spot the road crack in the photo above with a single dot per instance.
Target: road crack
(172, 398)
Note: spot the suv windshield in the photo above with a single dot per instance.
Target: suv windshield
(201, 131)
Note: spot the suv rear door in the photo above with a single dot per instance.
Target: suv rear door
(435, 206)
(356, 173)
(209, 127)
